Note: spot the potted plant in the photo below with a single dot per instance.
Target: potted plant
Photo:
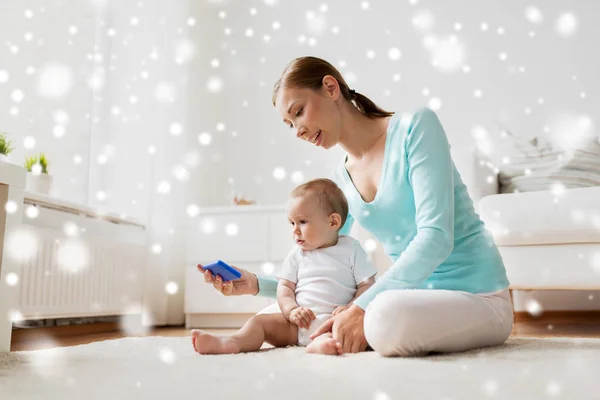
(38, 178)
(5, 148)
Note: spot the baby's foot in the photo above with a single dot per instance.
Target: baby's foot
(328, 346)
(205, 343)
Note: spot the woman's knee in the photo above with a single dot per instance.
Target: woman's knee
(390, 326)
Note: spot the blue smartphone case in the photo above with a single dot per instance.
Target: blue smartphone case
(222, 269)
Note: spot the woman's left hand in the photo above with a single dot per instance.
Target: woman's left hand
(347, 328)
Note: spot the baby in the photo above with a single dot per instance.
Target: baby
(321, 277)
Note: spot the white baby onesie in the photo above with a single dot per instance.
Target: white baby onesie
(326, 278)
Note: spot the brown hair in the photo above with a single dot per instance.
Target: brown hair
(329, 196)
(308, 72)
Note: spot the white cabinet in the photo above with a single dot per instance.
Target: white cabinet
(242, 236)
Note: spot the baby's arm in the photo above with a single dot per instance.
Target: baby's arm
(360, 289)
(286, 298)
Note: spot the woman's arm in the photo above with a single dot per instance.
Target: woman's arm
(430, 175)
(267, 286)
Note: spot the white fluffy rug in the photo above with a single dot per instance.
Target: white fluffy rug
(168, 368)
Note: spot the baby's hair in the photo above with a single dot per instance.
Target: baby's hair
(329, 196)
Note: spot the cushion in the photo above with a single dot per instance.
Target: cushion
(539, 163)
(543, 217)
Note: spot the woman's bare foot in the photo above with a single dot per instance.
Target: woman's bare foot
(325, 344)
(205, 343)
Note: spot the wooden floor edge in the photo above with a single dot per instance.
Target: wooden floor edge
(27, 334)
(575, 316)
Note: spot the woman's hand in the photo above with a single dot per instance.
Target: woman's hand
(302, 317)
(347, 328)
(246, 284)
(340, 309)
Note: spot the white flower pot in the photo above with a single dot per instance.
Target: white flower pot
(41, 183)
(4, 158)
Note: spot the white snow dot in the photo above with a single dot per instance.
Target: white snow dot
(566, 24)
(10, 207)
(193, 210)
(533, 14)
(370, 245)
(214, 63)
(156, 248)
(268, 268)
(364, 5)
(231, 229)
(394, 54)
(167, 355)
(191, 21)
(12, 279)
(534, 308)
(276, 25)
(484, 26)
(32, 212)
(171, 288)
(17, 96)
(163, 187)
(249, 32)
(435, 103)
(176, 129)
(279, 173)
(381, 395)
(553, 389)
(220, 126)
(58, 131)
(214, 85)
(205, 138)
(297, 177)
(490, 387)
(4, 76)
(423, 20)
(100, 195)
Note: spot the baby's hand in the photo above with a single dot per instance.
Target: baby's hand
(340, 309)
(302, 317)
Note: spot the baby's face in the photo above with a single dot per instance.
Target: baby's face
(311, 225)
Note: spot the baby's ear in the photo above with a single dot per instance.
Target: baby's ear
(335, 220)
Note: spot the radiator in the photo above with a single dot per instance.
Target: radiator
(95, 268)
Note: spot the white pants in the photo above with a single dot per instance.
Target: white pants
(416, 322)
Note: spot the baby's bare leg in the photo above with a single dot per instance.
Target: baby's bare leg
(271, 328)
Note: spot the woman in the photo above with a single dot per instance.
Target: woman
(447, 288)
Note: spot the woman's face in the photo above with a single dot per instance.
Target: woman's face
(312, 115)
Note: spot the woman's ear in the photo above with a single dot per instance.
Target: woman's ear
(335, 221)
(331, 87)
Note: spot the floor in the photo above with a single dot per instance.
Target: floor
(586, 324)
